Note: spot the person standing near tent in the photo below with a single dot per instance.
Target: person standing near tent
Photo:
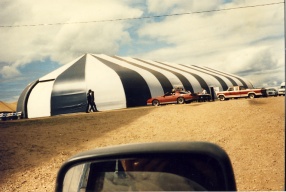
(89, 100)
(204, 92)
(202, 96)
(93, 106)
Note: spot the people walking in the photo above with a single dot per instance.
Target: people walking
(93, 106)
(89, 101)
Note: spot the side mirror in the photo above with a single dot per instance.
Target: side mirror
(166, 166)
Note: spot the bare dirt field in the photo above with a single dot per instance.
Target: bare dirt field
(251, 131)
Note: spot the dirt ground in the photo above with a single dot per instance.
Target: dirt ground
(251, 131)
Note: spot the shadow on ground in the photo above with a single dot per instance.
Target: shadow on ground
(39, 140)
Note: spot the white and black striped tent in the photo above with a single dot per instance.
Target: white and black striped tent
(118, 82)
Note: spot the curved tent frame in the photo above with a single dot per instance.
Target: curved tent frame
(118, 82)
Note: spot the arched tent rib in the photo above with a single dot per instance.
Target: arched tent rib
(219, 79)
(152, 82)
(163, 80)
(135, 87)
(108, 89)
(243, 82)
(183, 80)
(69, 90)
(22, 104)
(217, 75)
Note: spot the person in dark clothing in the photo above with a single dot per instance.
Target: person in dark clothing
(89, 101)
(204, 96)
(93, 106)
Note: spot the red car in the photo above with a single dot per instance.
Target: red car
(179, 97)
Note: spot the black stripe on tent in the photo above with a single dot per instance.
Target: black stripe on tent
(182, 78)
(47, 80)
(243, 82)
(164, 81)
(72, 97)
(230, 79)
(201, 81)
(136, 89)
(22, 104)
(223, 84)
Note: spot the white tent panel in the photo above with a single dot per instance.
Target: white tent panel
(248, 83)
(225, 78)
(210, 80)
(171, 77)
(236, 80)
(186, 72)
(98, 76)
(39, 103)
(233, 77)
(153, 83)
(54, 74)
(192, 80)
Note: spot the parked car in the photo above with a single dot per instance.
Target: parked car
(281, 90)
(10, 115)
(3, 116)
(271, 92)
(240, 92)
(179, 97)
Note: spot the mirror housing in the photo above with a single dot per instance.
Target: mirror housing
(203, 163)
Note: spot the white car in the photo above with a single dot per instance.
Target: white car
(281, 90)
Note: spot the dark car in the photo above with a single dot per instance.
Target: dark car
(271, 92)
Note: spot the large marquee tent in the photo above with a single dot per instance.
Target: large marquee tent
(118, 82)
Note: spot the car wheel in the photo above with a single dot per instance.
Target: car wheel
(180, 100)
(221, 98)
(155, 102)
(251, 96)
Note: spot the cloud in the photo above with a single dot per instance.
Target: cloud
(204, 32)
(9, 71)
(181, 6)
(243, 41)
(61, 43)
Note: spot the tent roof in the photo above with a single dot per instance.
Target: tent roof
(7, 107)
(118, 82)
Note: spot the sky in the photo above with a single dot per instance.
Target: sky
(242, 37)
